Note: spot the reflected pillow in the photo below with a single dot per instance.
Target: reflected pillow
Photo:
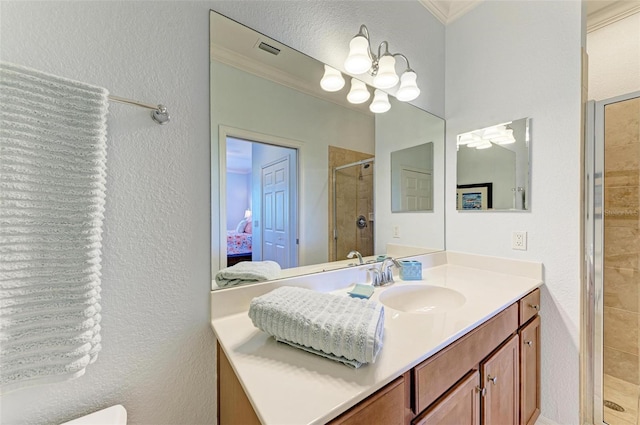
(248, 228)
(240, 227)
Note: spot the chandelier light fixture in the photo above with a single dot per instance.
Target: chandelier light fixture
(500, 134)
(381, 66)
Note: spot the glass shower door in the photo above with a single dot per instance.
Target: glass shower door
(615, 253)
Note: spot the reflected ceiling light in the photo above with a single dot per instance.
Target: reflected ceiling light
(491, 133)
(466, 138)
(380, 102)
(505, 139)
(483, 145)
(478, 143)
(358, 93)
(331, 80)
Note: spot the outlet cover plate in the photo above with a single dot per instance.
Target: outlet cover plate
(519, 240)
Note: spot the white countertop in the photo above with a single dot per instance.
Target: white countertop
(290, 386)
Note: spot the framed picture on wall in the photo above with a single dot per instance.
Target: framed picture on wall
(478, 196)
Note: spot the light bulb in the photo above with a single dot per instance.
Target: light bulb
(380, 102)
(331, 80)
(358, 93)
(359, 60)
(386, 76)
(408, 88)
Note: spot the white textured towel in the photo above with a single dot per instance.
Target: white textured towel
(341, 328)
(247, 272)
(52, 195)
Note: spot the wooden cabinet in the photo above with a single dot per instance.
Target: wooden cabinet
(529, 337)
(441, 371)
(529, 306)
(489, 376)
(500, 379)
(233, 405)
(389, 406)
(458, 406)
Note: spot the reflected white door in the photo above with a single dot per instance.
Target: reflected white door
(416, 190)
(275, 212)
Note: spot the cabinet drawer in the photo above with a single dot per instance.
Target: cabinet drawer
(529, 306)
(390, 406)
(437, 374)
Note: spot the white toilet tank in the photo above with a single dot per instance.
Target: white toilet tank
(114, 415)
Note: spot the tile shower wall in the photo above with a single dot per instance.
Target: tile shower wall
(622, 241)
(355, 198)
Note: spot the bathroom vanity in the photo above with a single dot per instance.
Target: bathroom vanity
(458, 362)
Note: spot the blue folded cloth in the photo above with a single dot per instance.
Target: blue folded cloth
(341, 328)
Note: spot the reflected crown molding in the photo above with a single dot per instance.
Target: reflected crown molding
(306, 83)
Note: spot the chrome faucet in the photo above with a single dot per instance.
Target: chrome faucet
(354, 253)
(384, 275)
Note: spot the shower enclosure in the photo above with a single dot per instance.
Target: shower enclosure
(612, 237)
(353, 209)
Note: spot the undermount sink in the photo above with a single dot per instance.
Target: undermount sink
(422, 299)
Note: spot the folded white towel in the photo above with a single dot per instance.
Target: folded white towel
(248, 272)
(52, 197)
(341, 328)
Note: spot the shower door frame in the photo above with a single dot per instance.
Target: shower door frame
(592, 354)
(335, 193)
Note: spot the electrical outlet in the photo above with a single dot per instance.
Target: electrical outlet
(519, 240)
(396, 231)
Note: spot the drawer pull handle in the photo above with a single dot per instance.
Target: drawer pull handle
(529, 343)
(535, 306)
(493, 380)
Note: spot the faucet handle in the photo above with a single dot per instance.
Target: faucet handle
(376, 276)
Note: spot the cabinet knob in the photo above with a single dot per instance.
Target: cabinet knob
(482, 391)
(493, 380)
(535, 306)
(529, 343)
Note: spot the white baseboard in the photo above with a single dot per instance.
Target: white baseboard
(545, 421)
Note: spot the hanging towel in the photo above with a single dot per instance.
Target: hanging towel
(52, 195)
(248, 272)
(341, 328)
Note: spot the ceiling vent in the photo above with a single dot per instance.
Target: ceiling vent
(268, 48)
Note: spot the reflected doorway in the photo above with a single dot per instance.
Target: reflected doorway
(260, 212)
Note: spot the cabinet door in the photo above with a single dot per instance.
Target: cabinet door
(500, 378)
(390, 406)
(459, 406)
(530, 372)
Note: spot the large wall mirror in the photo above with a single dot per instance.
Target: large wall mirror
(493, 166)
(412, 179)
(295, 172)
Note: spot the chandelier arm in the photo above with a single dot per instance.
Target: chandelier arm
(405, 59)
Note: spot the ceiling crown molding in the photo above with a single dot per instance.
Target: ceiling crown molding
(447, 11)
(601, 16)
